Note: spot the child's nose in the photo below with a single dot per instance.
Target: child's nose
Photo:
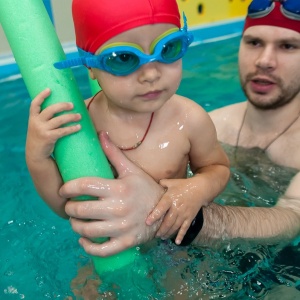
(149, 72)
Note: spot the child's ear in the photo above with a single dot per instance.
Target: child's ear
(91, 74)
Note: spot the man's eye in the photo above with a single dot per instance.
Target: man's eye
(288, 46)
(253, 43)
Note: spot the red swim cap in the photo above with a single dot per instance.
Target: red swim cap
(274, 18)
(97, 21)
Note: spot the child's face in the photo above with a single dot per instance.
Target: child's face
(151, 85)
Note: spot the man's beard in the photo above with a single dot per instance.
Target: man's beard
(286, 95)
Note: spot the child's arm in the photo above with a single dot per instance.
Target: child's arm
(44, 129)
(185, 197)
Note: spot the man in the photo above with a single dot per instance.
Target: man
(269, 60)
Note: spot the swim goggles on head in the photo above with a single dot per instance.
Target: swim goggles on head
(261, 8)
(121, 59)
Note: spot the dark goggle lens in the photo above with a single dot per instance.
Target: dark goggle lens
(172, 50)
(258, 6)
(292, 7)
(122, 63)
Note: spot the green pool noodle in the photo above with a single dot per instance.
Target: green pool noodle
(36, 47)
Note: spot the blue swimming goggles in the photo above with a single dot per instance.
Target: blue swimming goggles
(261, 8)
(121, 59)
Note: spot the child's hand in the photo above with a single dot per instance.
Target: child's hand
(178, 209)
(44, 128)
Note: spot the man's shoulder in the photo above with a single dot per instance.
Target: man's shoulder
(227, 121)
(230, 115)
(228, 110)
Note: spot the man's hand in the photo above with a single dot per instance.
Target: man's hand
(121, 209)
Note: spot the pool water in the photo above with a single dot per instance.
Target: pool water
(40, 256)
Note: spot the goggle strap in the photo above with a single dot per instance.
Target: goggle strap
(73, 62)
(185, 27)
(90, 62)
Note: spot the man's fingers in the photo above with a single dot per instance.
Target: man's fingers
(105, 249)
(88, 210)
(84, 228)
(116, 157)
(91, 186)
(93, 229)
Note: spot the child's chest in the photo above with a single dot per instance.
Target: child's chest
(170, 162)
(162, 155)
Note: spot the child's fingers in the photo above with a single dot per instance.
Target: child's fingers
(63, 131)
(167, 226)
(35, 107)
(167, 230)
(63, 120)
(49, 112)
(158, 212)
(182, 231)
(50, 137)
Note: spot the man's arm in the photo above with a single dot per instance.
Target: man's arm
(258, 223)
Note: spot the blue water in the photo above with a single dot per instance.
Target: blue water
(39, 254)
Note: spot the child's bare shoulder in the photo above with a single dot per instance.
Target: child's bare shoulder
(185, 104)
(193, 113)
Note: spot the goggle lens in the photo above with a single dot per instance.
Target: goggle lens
(171, 51)
(257, 7)
(291, 9)
(261, 8)
(121, 63)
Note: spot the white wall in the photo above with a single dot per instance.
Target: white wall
(62, 20)
(62, 16)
